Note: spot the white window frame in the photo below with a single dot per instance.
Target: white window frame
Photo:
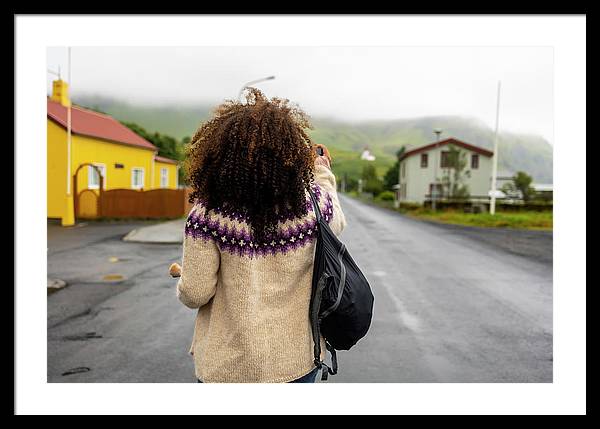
(92, 173)
(164, 170)
(133, 170)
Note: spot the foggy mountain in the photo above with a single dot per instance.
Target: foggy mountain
(518, 152)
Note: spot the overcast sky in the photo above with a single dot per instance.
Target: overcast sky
(351, 83)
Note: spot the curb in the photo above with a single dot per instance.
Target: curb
(129, 239)
(170, 232)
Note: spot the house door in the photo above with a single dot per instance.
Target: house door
(435, 190)
(87, 202)
(87, 205)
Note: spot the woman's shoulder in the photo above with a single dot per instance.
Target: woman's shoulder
(231, 230)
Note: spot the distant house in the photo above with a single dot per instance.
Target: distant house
(543, 190)
(366, 155)
(417, 170)
(100, 146)
(503, 177)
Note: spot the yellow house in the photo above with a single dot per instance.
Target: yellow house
(166, 172)
(97, 143)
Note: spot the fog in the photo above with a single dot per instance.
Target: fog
(347, 83)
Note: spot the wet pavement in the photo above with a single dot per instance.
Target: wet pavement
(450, 305)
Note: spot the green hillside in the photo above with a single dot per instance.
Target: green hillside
(346, 140)
(176, 121)
(528, 153)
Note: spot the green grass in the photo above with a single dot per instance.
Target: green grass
(532, 220)
(502, 219)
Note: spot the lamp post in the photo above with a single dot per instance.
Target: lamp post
(57, 74)
(437, 132)
(252, 82)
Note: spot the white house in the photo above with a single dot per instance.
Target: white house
(417, 170)
(366, 155)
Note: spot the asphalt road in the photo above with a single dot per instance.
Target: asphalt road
(451, 305)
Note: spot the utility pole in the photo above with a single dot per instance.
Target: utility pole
(398, 191)
(69, 218)
(69, 125)
(437, 132)
(495, 156)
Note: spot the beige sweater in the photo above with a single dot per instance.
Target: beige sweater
(253, 298)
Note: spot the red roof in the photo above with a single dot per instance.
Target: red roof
(448, 141)
(93, 124)
(165, 160)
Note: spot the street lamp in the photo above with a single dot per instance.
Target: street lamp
(57, 74)
(247, 84)
(437, 132)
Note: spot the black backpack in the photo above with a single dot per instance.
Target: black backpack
(341, 302)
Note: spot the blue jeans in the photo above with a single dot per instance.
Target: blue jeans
(308, 378)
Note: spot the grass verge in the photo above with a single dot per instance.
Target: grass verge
(502, 219)
(530, 220)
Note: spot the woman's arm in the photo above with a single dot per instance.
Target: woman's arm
(200, 265)
(326, 179)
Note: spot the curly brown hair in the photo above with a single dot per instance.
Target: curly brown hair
(255, 159)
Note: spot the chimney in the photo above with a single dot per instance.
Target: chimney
(60, 92)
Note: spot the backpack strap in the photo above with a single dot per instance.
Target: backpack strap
(316, 207)
(314, 316)
(324, 367)
(334, 365)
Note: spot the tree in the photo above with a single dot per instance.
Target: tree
(371, 182)
(391, 176)
(182, 171)
(168, 146)
(454, 174)
(521, 183)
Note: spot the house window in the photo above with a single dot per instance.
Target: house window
(445, 162)
(137, 178)
(448, 161)
(403, 169)
(435, 190)
(424, 160)
(94, 178)
(474, 161)
(164, 177)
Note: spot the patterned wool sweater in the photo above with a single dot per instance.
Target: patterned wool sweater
(253, 298)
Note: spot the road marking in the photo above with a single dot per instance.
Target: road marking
(113, 278)
(406, 318)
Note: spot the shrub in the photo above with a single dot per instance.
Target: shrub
(386, 196)
(404, 206)
(373, 186)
